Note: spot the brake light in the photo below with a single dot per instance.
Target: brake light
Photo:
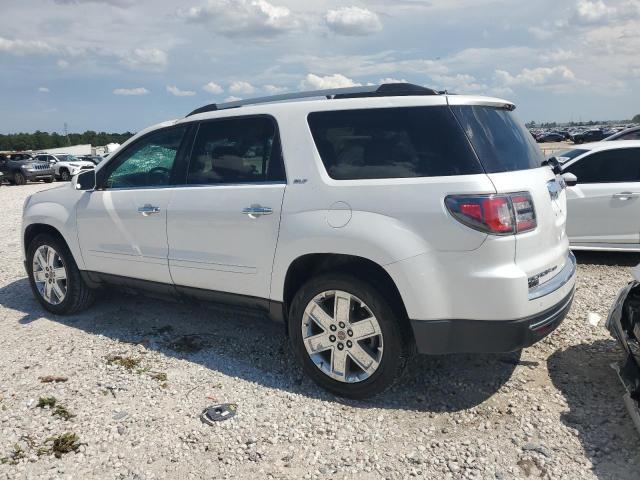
(495, 214)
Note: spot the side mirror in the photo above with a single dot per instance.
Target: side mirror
(570, 179)
(85, 180)
(554, 164)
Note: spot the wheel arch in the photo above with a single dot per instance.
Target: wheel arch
(309, 265)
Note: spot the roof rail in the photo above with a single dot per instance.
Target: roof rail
(383, 90)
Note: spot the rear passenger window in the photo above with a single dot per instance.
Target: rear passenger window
(236, 150)
(392, 143)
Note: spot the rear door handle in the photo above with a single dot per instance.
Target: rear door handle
(255, 211)
(147, 210)
(626, 195)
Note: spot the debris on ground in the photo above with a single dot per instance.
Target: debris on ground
(52, 379)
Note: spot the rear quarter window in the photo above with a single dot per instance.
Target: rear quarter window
(502, 142)
(392, 143)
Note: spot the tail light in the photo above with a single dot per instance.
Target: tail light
(495, 214)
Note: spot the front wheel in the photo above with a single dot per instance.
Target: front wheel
(48, 180)
(54, 276)
(19, 178)
(65, 176)
(347, 336)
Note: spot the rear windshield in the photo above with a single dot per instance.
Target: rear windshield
(501, 141)
(392, 143)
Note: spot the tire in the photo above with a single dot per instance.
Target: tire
(48, 180)
(387, 349)
(77, 295)
(19, 178)
(65, 176)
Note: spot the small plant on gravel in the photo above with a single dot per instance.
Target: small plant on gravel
(160, 376)
(62, 412)
(14, 457)
(47, 402)
(64, 443)
(128, 363)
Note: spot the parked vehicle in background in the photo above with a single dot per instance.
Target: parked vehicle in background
(603, 195)
(19, 168)
(628, 134)
(372, 220)
(550, 137)
(65, 166)
(594, 135)
(624, 325)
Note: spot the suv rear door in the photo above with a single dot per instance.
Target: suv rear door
(512, 160)
(223, 224)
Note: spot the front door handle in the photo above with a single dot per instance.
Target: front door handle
(626, 195)
(148, 209)
(255, 211)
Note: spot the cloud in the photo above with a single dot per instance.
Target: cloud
(242, 18)
(152, 59)
(232, 98)
(274, 89)
(213, 88)
(587, 11)
(546, 78)
(62, 63)
(392, 80)
(176, 92)
(43, 90)
(241, 87)
(315, 82)
(458, 83)
(353, 21)
(131, 91)
(26, 47)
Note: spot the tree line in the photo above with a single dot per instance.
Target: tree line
(45, 140)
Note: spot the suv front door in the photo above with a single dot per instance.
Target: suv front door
(604, 207)
(122, 223)
(223, 224)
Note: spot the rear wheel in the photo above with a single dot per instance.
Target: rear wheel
(48, 180)
(19, 178)
(54, 276)
(347, 336)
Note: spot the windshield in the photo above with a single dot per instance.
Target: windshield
(66, 158)
(567, 155)
(501, 141)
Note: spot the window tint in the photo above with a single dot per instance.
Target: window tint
(392, 143)
(236, 150)
(148, 162)
(501, 141)
(630, 136)
(608, 167)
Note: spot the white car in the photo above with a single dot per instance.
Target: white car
(372, 221)
(65, 166)
(603, 195)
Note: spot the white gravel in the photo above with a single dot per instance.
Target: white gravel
(553, 412)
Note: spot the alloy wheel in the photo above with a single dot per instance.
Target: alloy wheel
(342, 336)
(50, 274)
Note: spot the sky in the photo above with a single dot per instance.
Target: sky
(118, 65)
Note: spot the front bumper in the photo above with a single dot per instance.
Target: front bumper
(624, 324)
(488, 336)
(37, 174)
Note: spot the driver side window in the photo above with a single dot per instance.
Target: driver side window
(148, 162)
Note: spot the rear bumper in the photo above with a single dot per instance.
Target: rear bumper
(488, 336)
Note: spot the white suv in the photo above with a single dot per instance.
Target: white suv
(373, 221)
(65, 166)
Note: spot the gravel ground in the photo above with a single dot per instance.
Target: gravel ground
(141, 370)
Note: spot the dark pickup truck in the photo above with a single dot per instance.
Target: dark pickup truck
(19, 168)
